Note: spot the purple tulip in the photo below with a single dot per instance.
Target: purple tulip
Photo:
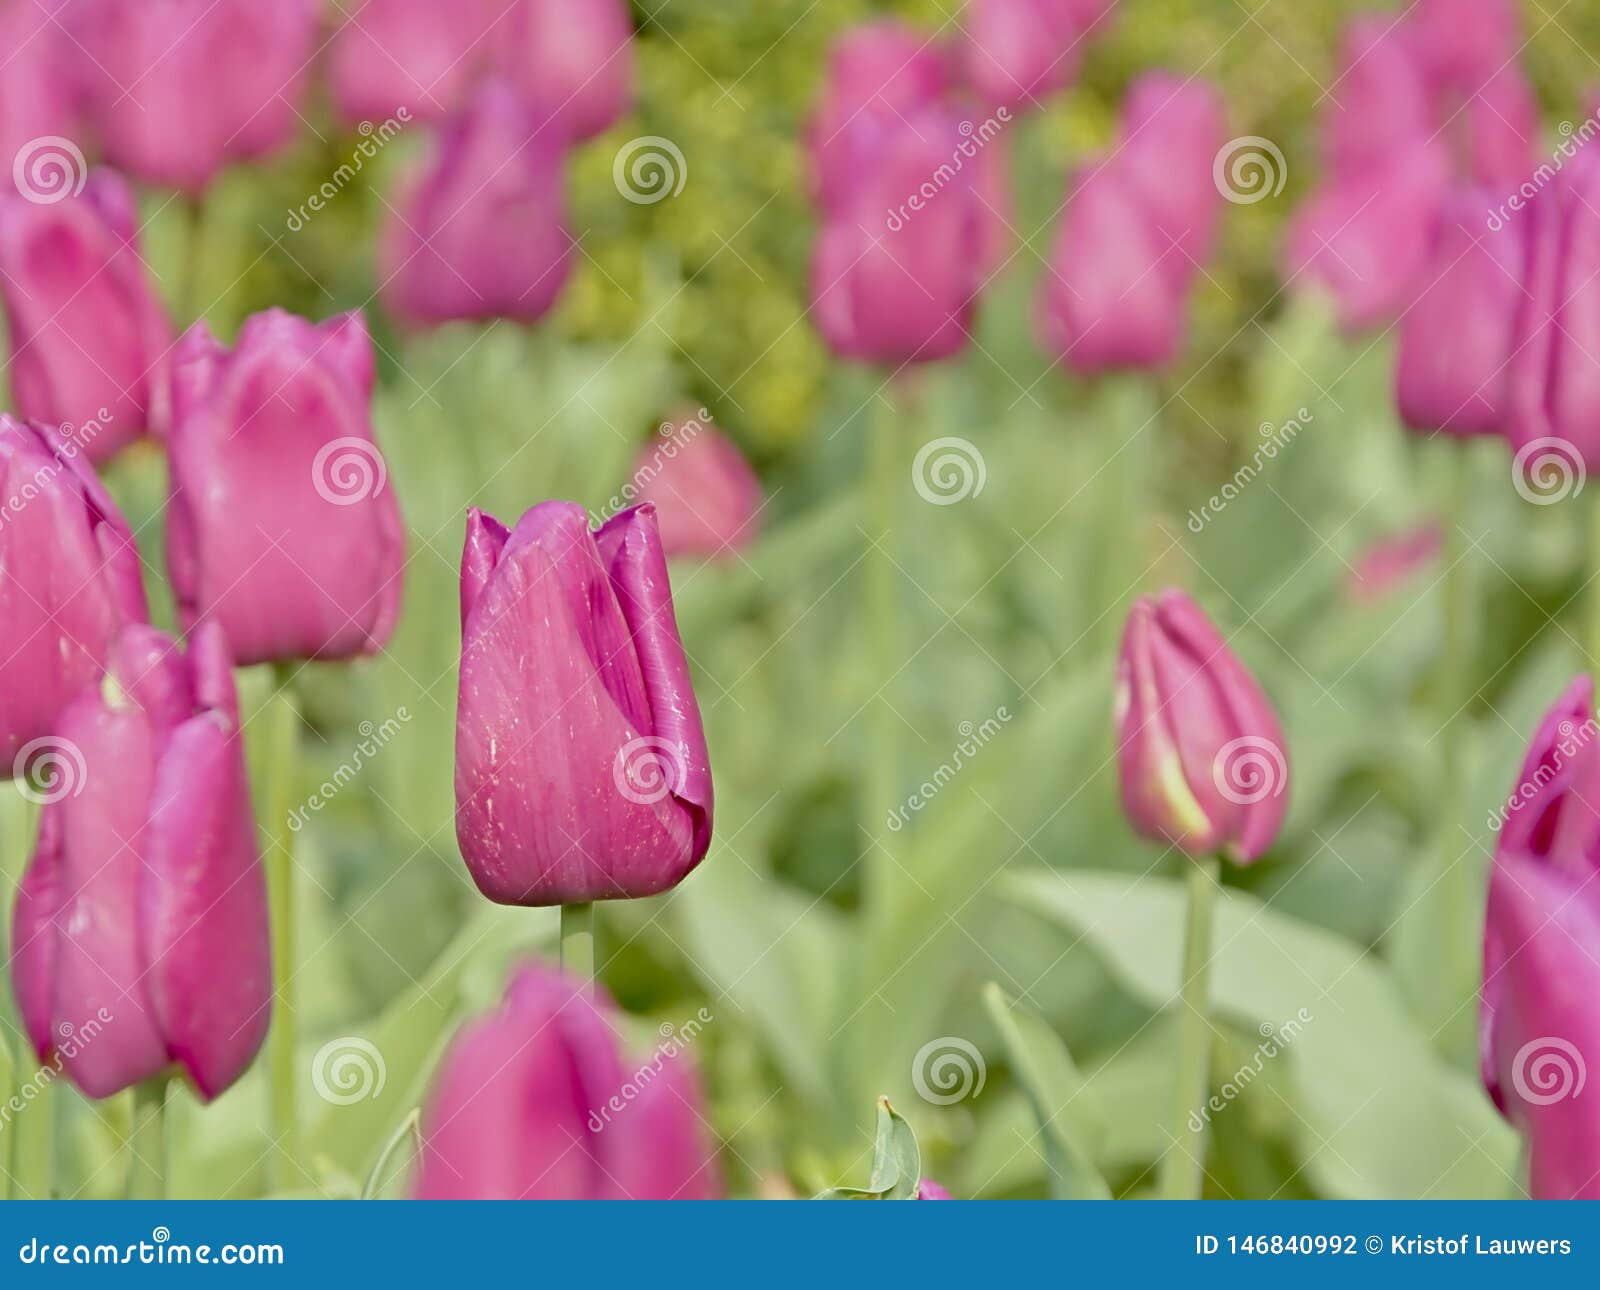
(282, 526)
(176, 88)
(419, 55)
(38, 103)
(481, 232)
(89, 338)
(707, 499)
(1015, 52)
(581, 766)
(1200, 754)
(141, 923)
(1456, 338)
(1172, 130)
(69, 584)
(533, 1102)
(1540, 1012)
(572, 61)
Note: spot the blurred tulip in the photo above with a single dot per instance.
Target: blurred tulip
(69, 583)
(1014, 52)
(1456, 337)
(927, 1189)
(533, 1102)
(481, 232)
(1500, 121)
(581, 766)
(572, 61)
(1387, 565)
(89, 338)
(708, 501)
(1172, 131)
(38, 103)
(1463, 42)
(175, 88)
(1382, 101)
(1540, 1012)
(281, 526)
(1200, 754)
(140, 929)
(419, 55)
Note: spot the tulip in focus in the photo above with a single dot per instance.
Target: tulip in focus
(141, 922)
(571, 60)
(89, 338)
(282, 527)
(481, 232)
(581, 766)
(708, 501)
(1200, 754)
(537, 1101)
(69, 585)
(419, 55)
(1540, 1012)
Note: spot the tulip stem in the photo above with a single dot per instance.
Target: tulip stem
(194, 241)
(34, 1166)
(281, 718)
(1183, 1170)
(577, 941)
(882, 779)
(147, 1145)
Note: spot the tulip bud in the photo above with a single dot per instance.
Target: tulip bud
(282, 527)
(571, 60)
(1539, 1020)
(140, 929)
(533, 1102)
(1173, 129)
(1015, 52)
(708, 501)
(1463, 42)
(481, 232)
(581, 766)
(1502, 125)
(1455, 339)
(175, 88)
(88, 337)
(69, 583)
(37, 100)
(1200, 754)
(1382, 100)
(419, 55)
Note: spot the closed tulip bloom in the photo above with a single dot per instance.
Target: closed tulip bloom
(927, 1189)
(69, 583)
(1455, 339)
(37, 98)
(1172, 130)
(282, 527)
(534, 1102)
(581, 766)
(572, 61)
(1462, 42)
(1539, 1019)
(89, 338)
(1502, 130)
(1015, 52)
(708, 501)
(1382, 100)
(144, 909)
(419, 55)
(481, 232)
(1200, 754)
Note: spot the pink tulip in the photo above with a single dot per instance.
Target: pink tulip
(927, 1189)
(1463, 42)
(282, 526)
(572, 61)
(1015, 52)
(1392, 563)
(38, 102)
(481, 232)
(1172, 131)
(1382, 101)
(89, 337)
(419, 55)
(141, 922)
(708, 501)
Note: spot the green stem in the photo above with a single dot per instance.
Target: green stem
(34, 1163)
(1455, 680)
(194, 240)
(1126, 407)
(1183, 1170)
(147, 1147)
(281, 718)
(577, 941)
(380, 1167)
(1591, 641)
(882, 780)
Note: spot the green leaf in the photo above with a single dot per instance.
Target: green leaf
(8, 1086)
(1068, 1118)
(896, 1162)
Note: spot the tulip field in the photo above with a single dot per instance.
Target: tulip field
(957, 599)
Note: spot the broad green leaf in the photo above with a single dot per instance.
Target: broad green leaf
(896, 1162)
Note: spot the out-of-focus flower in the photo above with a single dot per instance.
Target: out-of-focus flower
(1464, 42)
(143, 912)
(533, 1102)
(1496, 130)
(707, 499)
(581, 765)
(1456, 337)
(419, 55)
(282, 526)
(1172, 129)
(1539, 1019)
(572, 61)
(88, 337)
(480, 233)
(1200, 754)
(69, 583)
(1387, 565)
(1380, 103)
(38, 100)
(176, 88)
(927, 1189)
(1014, 52)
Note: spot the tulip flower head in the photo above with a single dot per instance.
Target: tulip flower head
(534, 1102)
(708, 501)
(418, 55)
(140, 930)
(1015, 52)
(1539, 1017)
(282, 526)
(571, 61)
(581, 766)
(1200, 754)
(38, 99)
